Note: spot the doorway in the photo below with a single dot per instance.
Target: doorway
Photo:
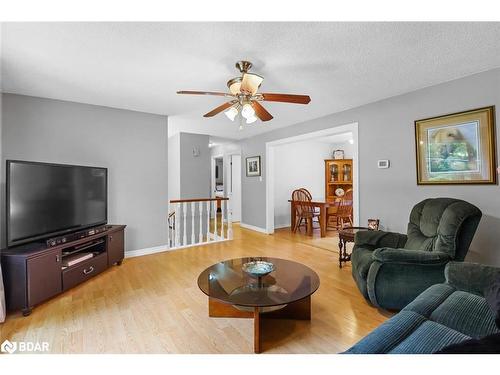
(271, 182)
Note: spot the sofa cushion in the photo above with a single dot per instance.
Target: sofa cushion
(435, 224)
(485, 345)
(492, 296)
(428, 338)
(430, 299)
(424, 222)
(467, 313)
(389, 334)
(361, 261)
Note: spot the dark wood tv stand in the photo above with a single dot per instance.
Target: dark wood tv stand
(33, 273)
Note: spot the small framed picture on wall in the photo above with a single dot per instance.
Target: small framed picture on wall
(253, 166)
(373, 224)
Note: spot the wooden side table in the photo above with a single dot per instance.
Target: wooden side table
(347, 235)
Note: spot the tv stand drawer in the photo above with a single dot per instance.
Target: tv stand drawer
(83, 271)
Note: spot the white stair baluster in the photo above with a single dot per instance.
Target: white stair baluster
(208, 221)
(184, 214)
(229, 220)
(192, 222)
(222, 208)
(200, 209)
(169, 234)
(176, 225)
(216, 236)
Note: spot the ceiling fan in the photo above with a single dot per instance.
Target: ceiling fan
(244, 97)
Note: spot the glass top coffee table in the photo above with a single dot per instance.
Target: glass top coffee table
(285, 293)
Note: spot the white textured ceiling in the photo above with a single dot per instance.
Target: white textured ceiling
(140, 66)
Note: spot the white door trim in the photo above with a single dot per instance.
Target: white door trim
(229, 171)
(212, 173)
(270, 146)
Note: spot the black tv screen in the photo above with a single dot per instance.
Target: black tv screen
(45, 200)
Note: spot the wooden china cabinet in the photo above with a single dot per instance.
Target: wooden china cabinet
(338, 178)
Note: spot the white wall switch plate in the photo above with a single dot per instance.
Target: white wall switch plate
(383, 164)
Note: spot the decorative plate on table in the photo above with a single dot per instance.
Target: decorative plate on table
(339, 192)
(258, 268)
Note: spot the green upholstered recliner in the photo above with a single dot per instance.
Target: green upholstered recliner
(391, 269)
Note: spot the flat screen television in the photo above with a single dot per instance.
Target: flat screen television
(46, 200)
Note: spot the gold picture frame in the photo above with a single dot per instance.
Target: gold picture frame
(459, 148)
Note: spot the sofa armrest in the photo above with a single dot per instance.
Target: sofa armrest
(379, 238)
(471, 277)
(387, 255)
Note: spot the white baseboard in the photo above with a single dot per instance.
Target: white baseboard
(164, 248)
(147, 251)
(254, 228)
(282, 226)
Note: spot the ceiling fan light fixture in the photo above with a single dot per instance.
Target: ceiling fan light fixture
(247, 111)
(231, 113)
(234, 85)
(250, 83)
(251, 119)
(244, 98)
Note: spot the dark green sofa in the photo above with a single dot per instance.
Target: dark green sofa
(391, 269)
(442, 315)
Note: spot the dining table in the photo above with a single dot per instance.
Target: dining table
(323, 208)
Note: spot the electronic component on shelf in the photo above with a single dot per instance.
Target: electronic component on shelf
(51, 242)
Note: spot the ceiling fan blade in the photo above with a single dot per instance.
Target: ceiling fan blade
(220, 108)
(286, 98)
(261, 112)
(204, 93)
(250, 83)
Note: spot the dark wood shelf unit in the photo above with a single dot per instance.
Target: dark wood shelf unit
(95, 246)
(33, 273)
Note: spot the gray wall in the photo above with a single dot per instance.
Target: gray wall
(194, 170)
(174, 167)
(386, 131)
(132, 145)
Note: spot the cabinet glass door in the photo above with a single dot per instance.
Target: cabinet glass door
(347, 173)
(334, 172)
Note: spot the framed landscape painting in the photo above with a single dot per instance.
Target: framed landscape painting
(457, 148)
(253, 166)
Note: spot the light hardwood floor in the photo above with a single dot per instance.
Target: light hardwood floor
(152, 304)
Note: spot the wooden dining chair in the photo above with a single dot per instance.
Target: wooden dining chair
(301, 221)
(332, 221)
(309, 195)
(344, 212)
(304, 212)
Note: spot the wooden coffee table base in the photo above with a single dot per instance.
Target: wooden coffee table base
(299, 310)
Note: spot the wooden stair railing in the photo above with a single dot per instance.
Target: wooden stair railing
(195, 221)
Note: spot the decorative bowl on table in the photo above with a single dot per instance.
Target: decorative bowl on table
(258, 268)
